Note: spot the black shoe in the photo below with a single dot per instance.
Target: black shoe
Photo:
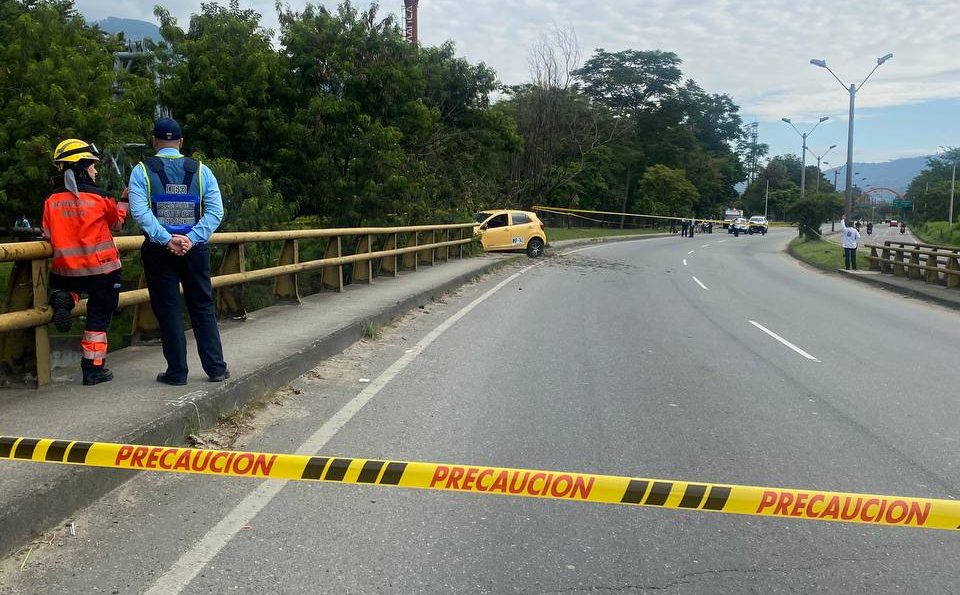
(162, 377)
(94, 374)
(220, 377)
(62, 303)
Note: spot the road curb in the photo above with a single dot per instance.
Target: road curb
(57, 495)
(904, 291)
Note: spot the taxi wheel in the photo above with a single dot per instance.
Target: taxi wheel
(535, 248)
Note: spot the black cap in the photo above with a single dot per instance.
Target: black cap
(167, 129)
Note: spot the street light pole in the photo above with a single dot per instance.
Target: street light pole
(819, 173)
(852, 90)
(803, 158)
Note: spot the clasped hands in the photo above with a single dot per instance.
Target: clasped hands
(179, 244)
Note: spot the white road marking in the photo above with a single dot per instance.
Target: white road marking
(194, 560)
(684, 262)
(705, 246)
(701, 284)
(689, 253)
(721, 241)
(784, 341)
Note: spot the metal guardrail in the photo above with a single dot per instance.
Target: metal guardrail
(939, 265)
(24, 340)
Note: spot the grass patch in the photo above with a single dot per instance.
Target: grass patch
(557, 234)
(824, 255)
(371, 330)
(938, 232)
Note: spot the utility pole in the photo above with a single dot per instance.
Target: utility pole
(766, 199)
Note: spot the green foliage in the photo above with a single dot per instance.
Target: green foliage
(812, 211)
(938, 232)
(224, 83)
(666, 191)
(57, 81)
(930, 189)
(346, 123)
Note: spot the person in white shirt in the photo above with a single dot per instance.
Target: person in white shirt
(851, 237)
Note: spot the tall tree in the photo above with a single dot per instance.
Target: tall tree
(57, 81)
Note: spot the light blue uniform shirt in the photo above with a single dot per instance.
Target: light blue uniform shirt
(140, 205)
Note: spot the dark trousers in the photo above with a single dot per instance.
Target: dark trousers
(165, 272)
(850, 258)
(103, 295)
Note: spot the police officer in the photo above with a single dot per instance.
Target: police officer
(176, 201)
(77, 219)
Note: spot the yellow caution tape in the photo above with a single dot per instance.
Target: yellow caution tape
(566, 211)
(871, 509)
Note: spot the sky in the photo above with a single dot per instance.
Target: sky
(758, 52)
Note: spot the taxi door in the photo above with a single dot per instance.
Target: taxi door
(496, 235)
(521, 230)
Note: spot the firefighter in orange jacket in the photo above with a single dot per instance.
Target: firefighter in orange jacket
(77, 219)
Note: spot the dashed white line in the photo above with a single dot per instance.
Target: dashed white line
(684, 262)
(701, 284)
(784, 341)
(689, 253)
(705, 246)
(721, 241)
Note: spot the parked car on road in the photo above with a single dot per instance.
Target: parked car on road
(505, 230)
(894, 223)
(758, 224)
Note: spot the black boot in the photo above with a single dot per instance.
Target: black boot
(62, 303)
(94, 374)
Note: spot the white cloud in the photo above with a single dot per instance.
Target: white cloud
(757, 51)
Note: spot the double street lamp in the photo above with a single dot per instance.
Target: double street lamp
(803, 158)
(819, 174)
(852, 90)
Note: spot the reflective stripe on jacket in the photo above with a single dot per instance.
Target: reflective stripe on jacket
(78, 227)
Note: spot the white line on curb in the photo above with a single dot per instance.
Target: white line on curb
(701, 284)
(784, 341)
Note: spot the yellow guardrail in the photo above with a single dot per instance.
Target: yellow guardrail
(24, 342)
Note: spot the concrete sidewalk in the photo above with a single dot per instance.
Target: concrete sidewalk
(267, 351)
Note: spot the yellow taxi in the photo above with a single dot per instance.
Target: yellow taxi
(504, 229)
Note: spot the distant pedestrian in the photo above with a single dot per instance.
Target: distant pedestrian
(851, 237)
(693, 226)
(684, 226)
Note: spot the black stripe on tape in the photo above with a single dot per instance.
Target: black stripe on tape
(314, 468)
(393, 474)
(659, 493)
(6, 445)
(370, 471)
(78, 454)
(635, 491)
(25, 449)
(693, 495)
(337, 470)
(57, 450)
(717, 498)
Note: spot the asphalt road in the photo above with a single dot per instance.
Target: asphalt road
(642, 358)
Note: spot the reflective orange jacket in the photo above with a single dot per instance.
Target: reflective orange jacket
(78, 227)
